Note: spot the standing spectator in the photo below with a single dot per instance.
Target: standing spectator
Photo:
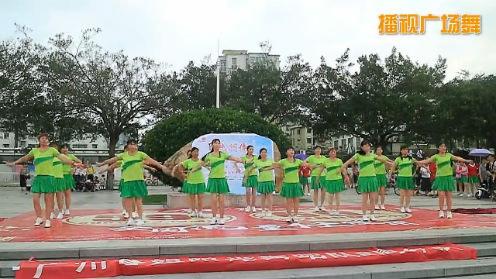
(304, 173)
(432, 171)
(23, 178)
(490, 172)
(90, 172)
(425, 180)
(473, 179)
(461, 177)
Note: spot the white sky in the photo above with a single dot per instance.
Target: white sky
(175, 32)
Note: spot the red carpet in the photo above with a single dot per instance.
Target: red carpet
(268, 261)
(176, 224)
(475, 210)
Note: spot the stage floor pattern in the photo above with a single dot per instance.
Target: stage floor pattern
(176, 224)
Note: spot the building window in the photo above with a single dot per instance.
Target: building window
(79, 146)
(309, 130)
(94, 146)
(234, 62)
(23, 143)
(309, 141)
(299, 132)
(336, 144)
(6, 145)
(5, 135)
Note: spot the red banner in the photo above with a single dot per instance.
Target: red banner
(245, 262)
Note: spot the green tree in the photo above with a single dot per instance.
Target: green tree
(381, 101)
(170, 134)
(112, 92)
(21, 98)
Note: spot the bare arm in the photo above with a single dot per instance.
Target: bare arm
(425, 161)
(235, 159)
(151, 162)
(460, 159)
(347, 163)
(21, 160)
(108, 161)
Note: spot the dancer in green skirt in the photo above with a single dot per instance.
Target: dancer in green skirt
(134, 187)
(316, 162)
(444, 183)
(69, 183)
(266, 184)
(194, 184)
(380, 172)
(250, 179)
(404, 180)
(333, 182)
(217, 184)
(58, 175)
(43, 183)
(367, 180)
(291, 187)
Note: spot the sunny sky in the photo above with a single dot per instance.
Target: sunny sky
(175, 32)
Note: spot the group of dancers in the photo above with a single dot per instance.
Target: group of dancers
(329, 178)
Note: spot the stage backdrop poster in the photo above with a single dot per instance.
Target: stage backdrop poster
(235, 144)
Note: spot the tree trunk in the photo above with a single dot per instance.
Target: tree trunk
(16, 137)
(110, 174)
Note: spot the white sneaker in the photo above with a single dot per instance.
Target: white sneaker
(125, 214)
(408, 210)
(139, 222)
(382, 207)
(449, 215)
(135, 214)
(67, 212)
(316, 209)
(200, 214)
(193, 214)
(130, 222)
(52, 215)
(336, 212)
(269, 213)
(213, 221)
(38, 221)
(290, 219)
(365, 218)
(402, 210)
(253, 209)
(264, 213)
(189, 210)
(469, 195)
(460, 195)
(221, 221)
(295, 219)
(248, 209)
(372, 218)
(47, 224)
(321, 208)
(377, 207)
(60, 216)
(441, 214)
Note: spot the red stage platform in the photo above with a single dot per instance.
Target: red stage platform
(176, 224)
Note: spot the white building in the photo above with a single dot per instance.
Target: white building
(231, 60)
(87, 148)
(346, 143)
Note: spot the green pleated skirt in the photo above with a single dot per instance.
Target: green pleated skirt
(303, 180)
(194, 188)
(367, 184)
(444, 184)
(120, 184)
(217, 186)
(381, 180)
(43, 184)
(462, 179)
(473, 179)
(334, 186)
(317, 183)
(251, 182)
(134, 189)
(266, 187)
(405, 183)
(59, 183)
(291, 190)
(69, 182)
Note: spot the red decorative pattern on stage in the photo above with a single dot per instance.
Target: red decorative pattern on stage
(176, 224)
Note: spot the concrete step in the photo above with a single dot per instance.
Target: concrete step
(239, 245)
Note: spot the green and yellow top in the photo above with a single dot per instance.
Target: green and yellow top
(443, 164)
(249, 163)
(217, 164)
(316, 163)
(333, 167)
(264, 167)
(405, 165)
(366, 164)
(194, 170)
(290, 169)
(43, 160)
(132, 165)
